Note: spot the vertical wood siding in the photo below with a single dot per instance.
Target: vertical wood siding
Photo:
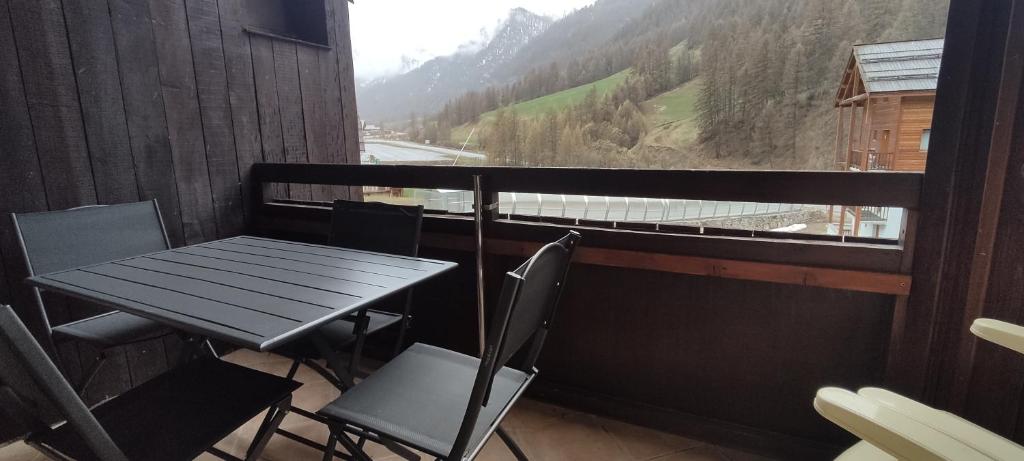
(112, 101)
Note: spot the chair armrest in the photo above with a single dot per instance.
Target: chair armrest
(889, 430)
(863, 451)
(1002, 333)
(977, 437)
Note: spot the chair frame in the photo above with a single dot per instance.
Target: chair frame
(361, 320)
(69, 405)
(89, 374)
(494, 359)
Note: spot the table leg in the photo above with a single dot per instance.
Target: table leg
(195, 346)
(333, 360)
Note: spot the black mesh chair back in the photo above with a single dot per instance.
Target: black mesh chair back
(379, 227)
(540, 285)
(54, 241)
(60, 240)
(34, 394)
(526, 306)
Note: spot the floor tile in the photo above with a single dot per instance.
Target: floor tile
(643, 444)
(702, 453)
(579, 437)
(545, 432)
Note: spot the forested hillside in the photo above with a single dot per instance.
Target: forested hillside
(768, 70)
(771, 69)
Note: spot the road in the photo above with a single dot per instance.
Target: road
(408, 152)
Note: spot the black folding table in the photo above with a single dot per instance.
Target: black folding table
(251, 292)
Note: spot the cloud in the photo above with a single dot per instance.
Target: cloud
(389, 34)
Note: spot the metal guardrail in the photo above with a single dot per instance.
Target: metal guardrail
(603, 208)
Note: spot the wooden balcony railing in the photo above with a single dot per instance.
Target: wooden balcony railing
(863, 264)
(876, 161)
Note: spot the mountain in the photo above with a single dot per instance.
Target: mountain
(430, 85)
(575, 35)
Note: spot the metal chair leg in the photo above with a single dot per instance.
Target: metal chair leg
(362, 324)
(351, 447)
(332, 444)
(294, 369)
(268, 428)
(265, 425)
(404, 325)
(511, 444)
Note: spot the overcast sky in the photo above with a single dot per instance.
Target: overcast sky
(383, 31)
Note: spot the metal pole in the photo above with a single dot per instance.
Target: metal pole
(478, 218)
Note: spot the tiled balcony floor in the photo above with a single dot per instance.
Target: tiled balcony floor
(545, 432)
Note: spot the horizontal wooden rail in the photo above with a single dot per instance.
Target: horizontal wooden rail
(524, 239)
(873, 268)
(797, 187)
(853, 280)
(311, 219)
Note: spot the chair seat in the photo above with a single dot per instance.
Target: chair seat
(110, 329)
(421, 396)
(340, 333)
(179, 414)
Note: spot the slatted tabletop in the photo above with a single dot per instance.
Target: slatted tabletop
(254, 292)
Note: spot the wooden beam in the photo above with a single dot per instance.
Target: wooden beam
(839, 137)
(800, 187)
(865, 127)
(967, 96)
(311, 221)
(853, 100)
(864, 281)
(1009, 104)
(856, 221)
(849, 138)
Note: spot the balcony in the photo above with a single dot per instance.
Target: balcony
(876, 161)
(680, 335)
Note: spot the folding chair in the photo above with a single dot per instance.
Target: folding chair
(448, 404)
(176, 416)
(894, 427)
(377, 227)
(54, 241)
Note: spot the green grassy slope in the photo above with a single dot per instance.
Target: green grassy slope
(542, 105)
(565, 98)
(674, 111)
(671, 116)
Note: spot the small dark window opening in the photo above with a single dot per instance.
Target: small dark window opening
(300, 20)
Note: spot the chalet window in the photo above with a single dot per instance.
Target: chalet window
(925, 138)
(302, 21)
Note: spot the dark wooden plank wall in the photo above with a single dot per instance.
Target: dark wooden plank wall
(108, 101)
(968, 261)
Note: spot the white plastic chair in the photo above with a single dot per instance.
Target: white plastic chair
(893, 427)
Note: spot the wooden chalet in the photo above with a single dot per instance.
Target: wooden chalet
(885, 104)
(883, 123)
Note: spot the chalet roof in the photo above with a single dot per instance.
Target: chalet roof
(899, 66)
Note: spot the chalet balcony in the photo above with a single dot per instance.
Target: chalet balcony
(694, 321)
(876, 161)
